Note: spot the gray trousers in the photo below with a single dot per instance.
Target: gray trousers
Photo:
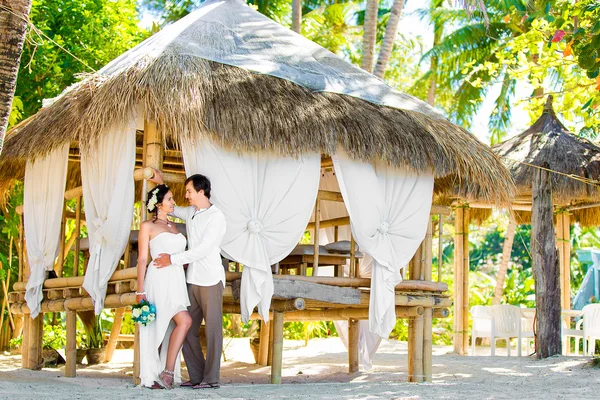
(206, 303)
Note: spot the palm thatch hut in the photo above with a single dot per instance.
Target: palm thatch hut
(228, 85)
(574, 166)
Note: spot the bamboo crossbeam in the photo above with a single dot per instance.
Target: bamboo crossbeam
(288, 305)
(77, 281)
(330, 196)
(76, 304)
(330, 223)
(336, 314)
(353, 282)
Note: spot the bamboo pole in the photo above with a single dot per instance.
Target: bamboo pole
(136, 355)
(415, 349)
(566, 304)
(20, 249)
(36, 330)
(25, 343)
(76, 303)
(315, 271)
(61, 254)
(440, 247)
(353, 329)
(263, 347)
(428, 314)
(465, 288)
(276, 366)
(114, 334)
(71, 348)
(353, 269)
(415, 271)
(270, 352)
(458, 280)
(77, 237)
(58, 283)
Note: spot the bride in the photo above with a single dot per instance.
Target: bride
(161, 340)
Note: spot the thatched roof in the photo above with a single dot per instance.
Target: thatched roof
(548, 143)
(174, 79)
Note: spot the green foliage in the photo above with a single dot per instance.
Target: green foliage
(92, 31)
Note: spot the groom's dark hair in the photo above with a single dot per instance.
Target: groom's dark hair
(200, 182)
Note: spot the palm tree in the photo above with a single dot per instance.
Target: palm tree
(389, 38)
(296, 15)
(370, 34)
(13, 24)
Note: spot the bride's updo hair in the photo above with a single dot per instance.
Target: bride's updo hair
(155, 197)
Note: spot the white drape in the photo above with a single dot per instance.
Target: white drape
(388, 211)
(108, 194)
(267, 201)
(43, 201)
(368, 342)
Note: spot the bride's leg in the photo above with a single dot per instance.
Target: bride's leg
(183, 321)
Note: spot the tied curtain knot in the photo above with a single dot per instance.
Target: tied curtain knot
(254, 226)
(384, 228)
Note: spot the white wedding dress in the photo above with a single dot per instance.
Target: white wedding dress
(166, 288)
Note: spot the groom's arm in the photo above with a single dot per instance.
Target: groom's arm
(215, 230)
(213, 235)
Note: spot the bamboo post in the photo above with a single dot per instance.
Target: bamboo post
(465, 288)
(61, 253)
(353, 329)
(71, 348)
(263, 347)
(428, 313)
(352, 256)
(458, 280)
(415, 271)
(270, 350)
(136, 355)
(20, 249)
(277, 365)
(440, 247)
(315, 270)
(77, 237)
(415, 349)
(25, 342)
(114, 334)
(36, 330)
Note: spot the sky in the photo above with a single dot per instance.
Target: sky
(412, 25)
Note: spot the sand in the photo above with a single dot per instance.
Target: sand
(320, 371)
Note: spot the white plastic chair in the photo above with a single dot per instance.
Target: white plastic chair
(482, 325)
(506, 324)
(590, 332)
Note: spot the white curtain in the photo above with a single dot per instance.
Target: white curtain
(108, 195)
(389, 209)
(267, 201)
(43, 202)
(368, 342)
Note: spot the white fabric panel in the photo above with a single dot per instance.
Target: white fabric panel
(108, 195)
(388, 211)
(267, 201)
(368, 342)
(231, 32)
(43, 202)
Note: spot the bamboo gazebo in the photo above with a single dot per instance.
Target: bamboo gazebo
(227, 86)
(573, 165)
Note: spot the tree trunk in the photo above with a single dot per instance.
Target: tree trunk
(369, 36)
(438, 29)
(545, 267)
(296, 15)
(389, 38)
(506, 250)
(13, 25)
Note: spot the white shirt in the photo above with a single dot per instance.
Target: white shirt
(205, 230)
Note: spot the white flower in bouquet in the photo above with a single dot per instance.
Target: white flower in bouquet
(136, 312)
(146, 309)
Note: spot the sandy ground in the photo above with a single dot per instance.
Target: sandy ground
(320, 371)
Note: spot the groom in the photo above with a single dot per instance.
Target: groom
(205, 225)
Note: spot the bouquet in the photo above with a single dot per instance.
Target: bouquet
(143, 313)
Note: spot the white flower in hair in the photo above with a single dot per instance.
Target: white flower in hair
(152, 202)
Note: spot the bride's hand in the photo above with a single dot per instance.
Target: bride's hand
(140, 297)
